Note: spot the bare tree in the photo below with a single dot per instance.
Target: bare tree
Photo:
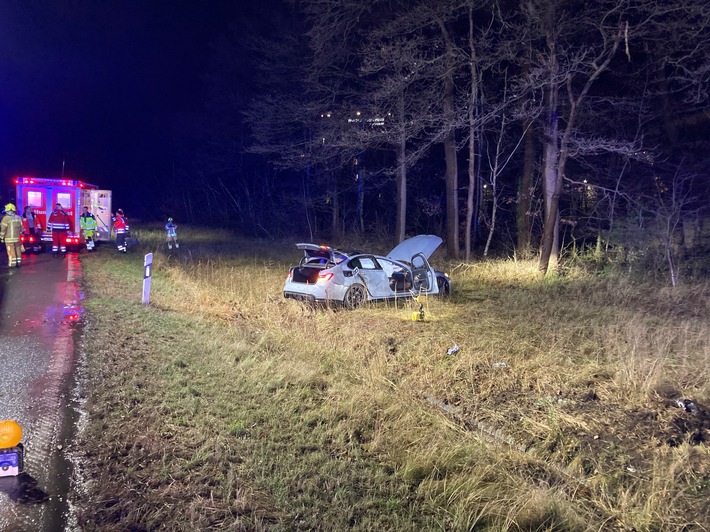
(567, 71)
(498, 162)
(575, 45)
(401, 80)
(675, 199)
(411, 63)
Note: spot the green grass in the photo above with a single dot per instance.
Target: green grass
(223, 406)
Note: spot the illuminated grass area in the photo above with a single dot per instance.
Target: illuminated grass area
(223, 405)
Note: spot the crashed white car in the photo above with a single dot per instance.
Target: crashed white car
(353, 278)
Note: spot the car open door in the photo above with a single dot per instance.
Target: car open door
(424, 278)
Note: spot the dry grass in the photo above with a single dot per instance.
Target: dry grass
(253, 412)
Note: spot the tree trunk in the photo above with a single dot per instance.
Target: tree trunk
(526, 191)
(452, 197)
(452, 170)
(452, 185)
(471, 191)
(555, 162)
(334, 225)
(551, 182)
(401, 189)
(360, 198)
(472, 108)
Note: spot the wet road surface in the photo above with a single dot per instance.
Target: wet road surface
(40, 330)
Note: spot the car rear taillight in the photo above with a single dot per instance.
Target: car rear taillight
(324, 277)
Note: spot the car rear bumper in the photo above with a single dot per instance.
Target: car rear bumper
(314, 293)
(310, 298)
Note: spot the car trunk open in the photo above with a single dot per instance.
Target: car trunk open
(305, 274)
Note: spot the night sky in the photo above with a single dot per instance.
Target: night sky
(100, 85)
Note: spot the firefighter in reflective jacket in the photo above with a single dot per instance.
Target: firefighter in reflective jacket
(58, 223)
(10, 231)
(88, 227)
(120, 225)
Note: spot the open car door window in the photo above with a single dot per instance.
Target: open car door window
(422, 273)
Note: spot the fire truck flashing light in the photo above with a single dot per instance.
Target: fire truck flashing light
(52, 181)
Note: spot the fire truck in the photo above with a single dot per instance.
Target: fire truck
(44, 193)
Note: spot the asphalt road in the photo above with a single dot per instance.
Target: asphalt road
(40, 331)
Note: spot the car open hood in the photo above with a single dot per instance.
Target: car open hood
(424, 244)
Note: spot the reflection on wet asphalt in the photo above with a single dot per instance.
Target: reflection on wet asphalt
(40, 326)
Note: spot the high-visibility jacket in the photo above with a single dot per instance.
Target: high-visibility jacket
(88, 222)
(59, 221)
(11, 228)
(119, 224)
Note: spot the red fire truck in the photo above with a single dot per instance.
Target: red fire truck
(44, 193)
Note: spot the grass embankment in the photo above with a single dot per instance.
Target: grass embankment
(222, 405)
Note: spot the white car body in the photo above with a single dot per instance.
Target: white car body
(329, 275)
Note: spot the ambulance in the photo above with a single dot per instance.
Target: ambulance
(44, 193)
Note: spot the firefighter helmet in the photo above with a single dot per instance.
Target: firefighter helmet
(10, 207)
(119, 211)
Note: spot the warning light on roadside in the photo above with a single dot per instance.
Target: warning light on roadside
(10, 433)
(11, 450)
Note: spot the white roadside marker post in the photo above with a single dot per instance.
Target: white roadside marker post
(147, 272)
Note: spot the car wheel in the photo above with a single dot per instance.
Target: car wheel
(444, 286)
(354, 297)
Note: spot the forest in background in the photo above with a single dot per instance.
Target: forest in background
(509, 128)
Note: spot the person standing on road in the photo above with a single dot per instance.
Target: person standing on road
(10, 231)
(88, 224)
(32, 227)
(171, 234)
(58, 223)
(120, 226)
